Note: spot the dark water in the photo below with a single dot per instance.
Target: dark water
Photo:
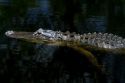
(25, 62)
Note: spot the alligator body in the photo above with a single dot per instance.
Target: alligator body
(86, 43)
(101, 40)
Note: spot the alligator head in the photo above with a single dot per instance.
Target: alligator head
(48, 37)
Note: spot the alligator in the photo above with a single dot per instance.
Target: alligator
(84, 43)
(102, 42)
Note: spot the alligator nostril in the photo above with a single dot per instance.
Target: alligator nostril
(9, 33)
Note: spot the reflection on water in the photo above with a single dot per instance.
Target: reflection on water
(45, 7)
(26, 62)
(96, 23)
(46, 51)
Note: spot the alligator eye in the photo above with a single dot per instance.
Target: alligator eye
(38, 33)
(60, 38)
(71, 35)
